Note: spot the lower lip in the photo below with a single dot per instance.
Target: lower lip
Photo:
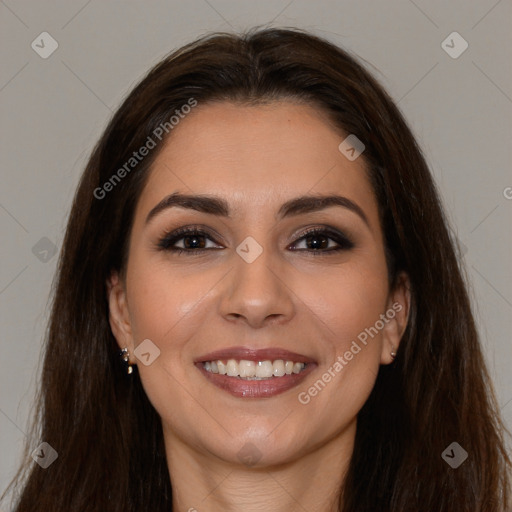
(256, 388)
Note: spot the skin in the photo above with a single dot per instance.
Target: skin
(257, 157)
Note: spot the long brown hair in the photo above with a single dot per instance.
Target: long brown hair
(109, 437)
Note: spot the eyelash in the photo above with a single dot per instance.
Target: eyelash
(167, 241)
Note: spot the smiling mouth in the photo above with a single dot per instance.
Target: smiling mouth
(254, 370)
(249, 373)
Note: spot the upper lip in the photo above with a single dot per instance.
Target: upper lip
(251, 354)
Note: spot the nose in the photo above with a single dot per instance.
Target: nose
(257, 293)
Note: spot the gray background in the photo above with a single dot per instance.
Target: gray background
(53, 110)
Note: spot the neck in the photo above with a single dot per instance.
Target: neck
(313, 481)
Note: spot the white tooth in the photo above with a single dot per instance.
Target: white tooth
(264, 369)
(221, 367)
(232, 368)
(297, 367)
(278, 368)
(207, 366)
(213, 366)
(247, 368)
(288, 367)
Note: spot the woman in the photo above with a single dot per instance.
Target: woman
(259, 304)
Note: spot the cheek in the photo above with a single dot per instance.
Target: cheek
(347, 301)
(164, 305)
(160, 298)
(351, 304)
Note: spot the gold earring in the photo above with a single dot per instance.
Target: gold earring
(125, 356)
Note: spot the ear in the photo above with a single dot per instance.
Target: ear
(397, 314)
(119, 316)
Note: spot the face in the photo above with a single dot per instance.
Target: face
(266, 322)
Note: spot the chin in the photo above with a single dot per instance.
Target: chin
(260, 447)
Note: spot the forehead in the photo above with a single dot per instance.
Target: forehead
(257, 157)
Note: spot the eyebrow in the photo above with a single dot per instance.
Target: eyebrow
(217, 206)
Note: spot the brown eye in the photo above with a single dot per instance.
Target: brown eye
(191, 240)
(321, 241)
